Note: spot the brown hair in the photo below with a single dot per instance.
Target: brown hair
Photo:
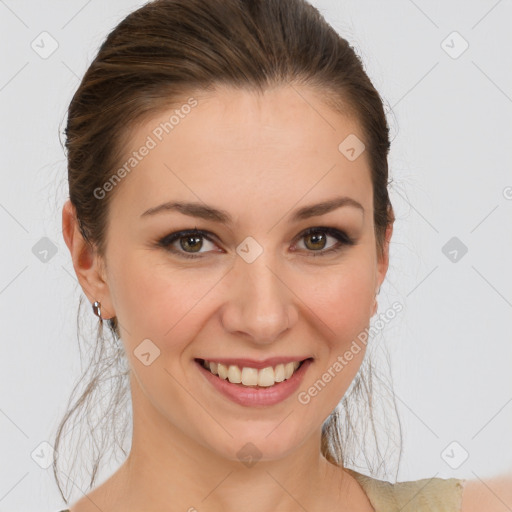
(162, 52)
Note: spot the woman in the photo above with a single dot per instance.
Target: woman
(229, 218)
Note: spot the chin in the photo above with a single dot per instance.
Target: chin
(265, 442)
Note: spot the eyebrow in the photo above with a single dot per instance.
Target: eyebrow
(203, 211)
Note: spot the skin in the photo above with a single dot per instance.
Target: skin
(259, 158)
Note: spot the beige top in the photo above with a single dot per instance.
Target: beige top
(425, 495)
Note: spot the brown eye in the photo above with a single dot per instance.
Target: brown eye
(315, 241)
(192, 242)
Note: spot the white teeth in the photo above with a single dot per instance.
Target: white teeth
(222, 371)
(234, 374)
(288, 370)
(249, 376)
(279, 373)
(265, 377)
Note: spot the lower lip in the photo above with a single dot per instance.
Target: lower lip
(250, 396)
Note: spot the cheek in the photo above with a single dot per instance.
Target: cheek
(341, 301)
(156, 301)
(342, 298)
(343, 307)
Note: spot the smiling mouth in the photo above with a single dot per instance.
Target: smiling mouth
(252, 377)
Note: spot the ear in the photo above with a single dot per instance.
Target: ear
(383, 263)
(88, 265)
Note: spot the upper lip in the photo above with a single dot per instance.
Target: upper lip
(253, 363)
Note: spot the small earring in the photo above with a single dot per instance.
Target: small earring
(96, 307)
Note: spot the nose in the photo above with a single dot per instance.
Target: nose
(260, 306)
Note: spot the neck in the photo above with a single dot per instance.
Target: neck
(166, 468)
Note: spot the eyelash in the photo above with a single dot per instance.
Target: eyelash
(342, 237)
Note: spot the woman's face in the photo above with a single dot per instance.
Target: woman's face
(254, 287)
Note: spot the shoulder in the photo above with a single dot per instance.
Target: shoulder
(424, 495)
(491, 495)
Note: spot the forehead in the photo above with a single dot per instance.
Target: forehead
(248, 150)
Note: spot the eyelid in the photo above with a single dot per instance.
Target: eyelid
(176, 235)
(341, 236)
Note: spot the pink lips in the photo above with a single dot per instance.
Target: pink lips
(256, 396)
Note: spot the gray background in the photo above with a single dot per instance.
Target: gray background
(451, 120)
